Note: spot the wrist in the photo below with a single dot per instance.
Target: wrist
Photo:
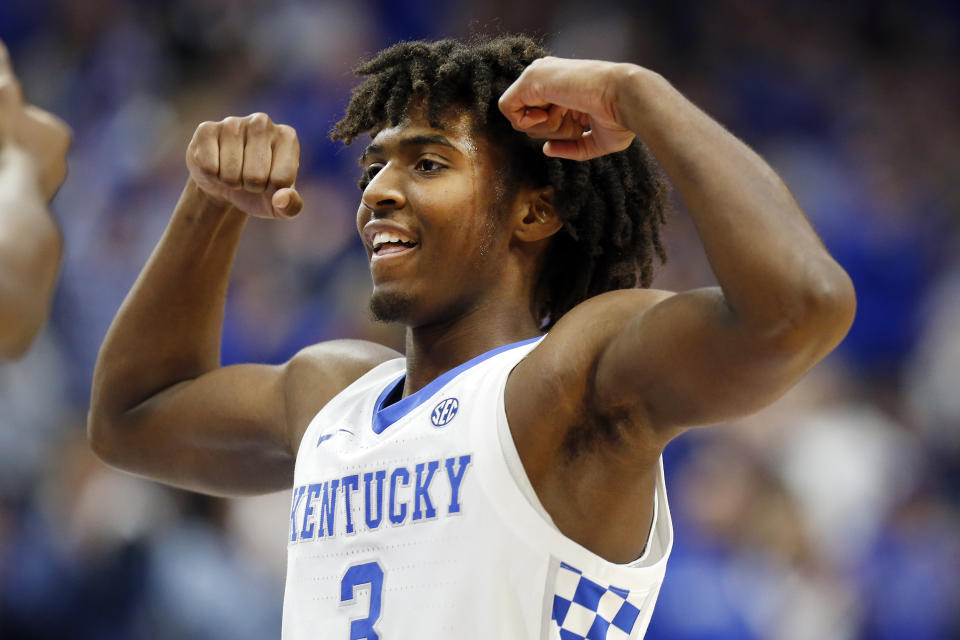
(199, 209)
(205, 203)
(639, 93)
(206, 199)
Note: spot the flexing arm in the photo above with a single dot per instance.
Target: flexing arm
(33, 145)
(671, 361)
(162, 406)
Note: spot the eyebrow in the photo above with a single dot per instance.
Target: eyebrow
(412, 141)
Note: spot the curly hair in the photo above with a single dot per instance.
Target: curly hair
(612, 207)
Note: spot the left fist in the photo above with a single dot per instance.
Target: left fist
(570, 103)
(43, 136)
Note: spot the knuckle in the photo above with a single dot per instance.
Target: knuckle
(258, 122)
(232, 123)
(287, 132)
(205, 129)
(204, 161)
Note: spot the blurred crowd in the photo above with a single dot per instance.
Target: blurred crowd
(834, 514)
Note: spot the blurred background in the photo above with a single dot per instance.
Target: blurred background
(833, 514)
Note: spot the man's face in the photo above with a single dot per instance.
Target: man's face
(431, 220)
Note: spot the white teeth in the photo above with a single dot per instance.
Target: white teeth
(382, 237)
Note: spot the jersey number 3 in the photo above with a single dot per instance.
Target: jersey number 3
(368, 573)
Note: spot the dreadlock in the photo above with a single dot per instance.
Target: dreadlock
(612, 207)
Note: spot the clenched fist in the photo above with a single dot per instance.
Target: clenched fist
(572, 104)
(44, 137)
(249, 163)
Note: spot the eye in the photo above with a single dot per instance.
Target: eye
(368, 175)
(426, 165)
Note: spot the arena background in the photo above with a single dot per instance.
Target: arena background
(832, 515)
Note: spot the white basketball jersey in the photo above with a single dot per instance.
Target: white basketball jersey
(415, 520)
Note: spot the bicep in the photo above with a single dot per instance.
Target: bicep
(223, 433)
(233, 430)
(687, 360)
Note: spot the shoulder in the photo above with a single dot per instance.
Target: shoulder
(581, 335)
(549, 391)
(343, 356)
(319, 372)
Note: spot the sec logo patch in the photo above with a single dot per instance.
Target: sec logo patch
(444, 412)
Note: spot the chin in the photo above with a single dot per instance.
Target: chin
(390, 306)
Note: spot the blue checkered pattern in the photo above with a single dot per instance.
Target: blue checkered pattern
(586, 610)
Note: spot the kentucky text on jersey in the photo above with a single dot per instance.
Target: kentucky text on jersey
(365, 501)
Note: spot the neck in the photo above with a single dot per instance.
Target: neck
(435, 348)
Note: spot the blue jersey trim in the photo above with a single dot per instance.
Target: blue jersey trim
(383, 417)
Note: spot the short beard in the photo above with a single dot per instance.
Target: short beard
(390, 307)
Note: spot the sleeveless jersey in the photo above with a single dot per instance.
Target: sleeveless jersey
(416, 520)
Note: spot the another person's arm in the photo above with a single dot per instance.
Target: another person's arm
(162, 406)
(698, 357)
(33, 146)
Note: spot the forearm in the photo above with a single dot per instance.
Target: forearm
(30, 247)
(169, 327)
(772, 267)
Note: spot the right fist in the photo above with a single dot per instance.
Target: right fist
(249, 163)
(42, 135)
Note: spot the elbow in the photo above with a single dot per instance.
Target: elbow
(818, 315)
(844, 308)
(98, 435)
(114, 432)
(102, 436)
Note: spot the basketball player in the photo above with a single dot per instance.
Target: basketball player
(33, 147)
(504, 479)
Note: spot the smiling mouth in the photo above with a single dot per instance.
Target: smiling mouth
(392, 248)
(387, 243)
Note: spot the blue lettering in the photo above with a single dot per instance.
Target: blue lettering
(297, 497)
(367, 478)
(421, 490)
(455, 481)
(313, 508)
(444, 412)
(447, 407)
(313, 491)
(328, 507)
(349, 484)
(397, 517)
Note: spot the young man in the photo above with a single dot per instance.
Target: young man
(33, 148)
(498, 482)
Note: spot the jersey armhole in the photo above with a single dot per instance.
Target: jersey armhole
(652, 548)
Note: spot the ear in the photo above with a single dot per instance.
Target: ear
(536, 217)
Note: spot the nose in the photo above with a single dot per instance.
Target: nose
(383, 193)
